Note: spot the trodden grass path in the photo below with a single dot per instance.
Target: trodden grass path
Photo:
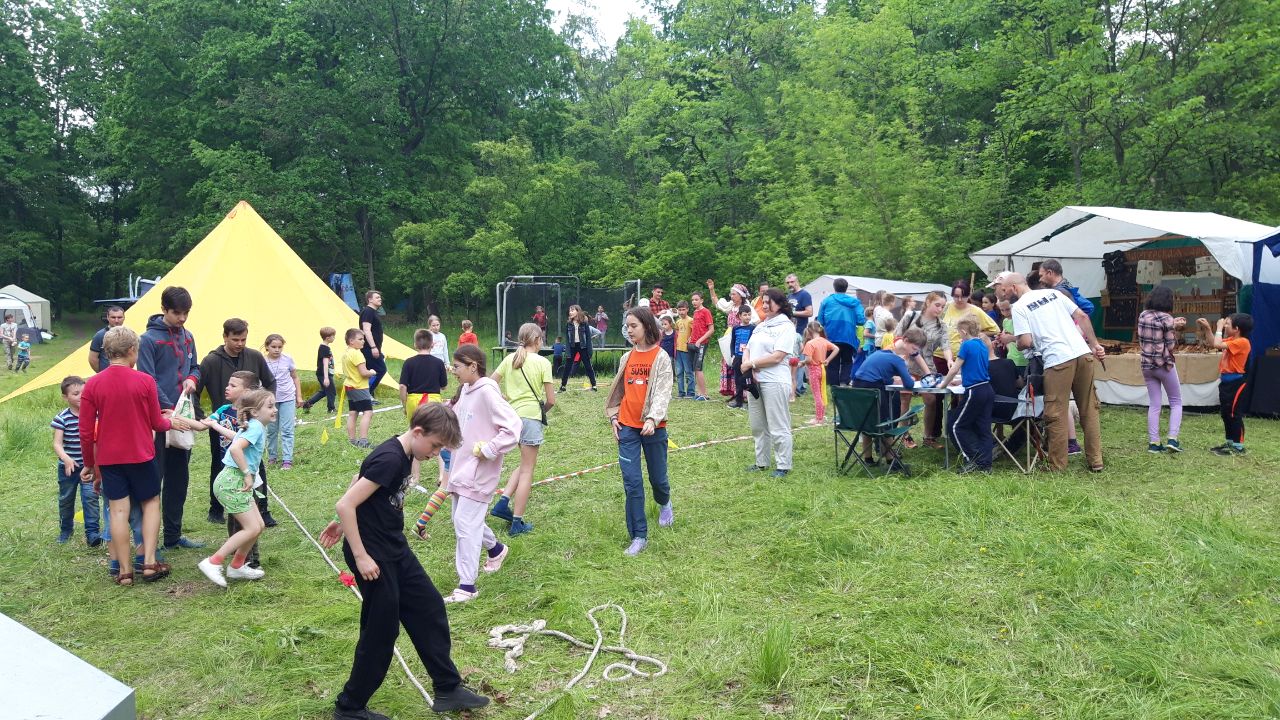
(1149, 591)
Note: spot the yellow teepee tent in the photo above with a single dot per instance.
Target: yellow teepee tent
(242, 269)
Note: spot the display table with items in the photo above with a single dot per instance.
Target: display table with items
(1118, 379)
(1201, 288)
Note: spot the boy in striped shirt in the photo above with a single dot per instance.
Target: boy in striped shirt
(66, 445)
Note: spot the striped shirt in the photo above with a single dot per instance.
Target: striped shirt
(69, 424)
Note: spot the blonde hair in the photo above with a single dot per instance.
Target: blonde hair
(530, 338)
(466, 325)
(252, 402)
(968, 326)
(814, 329)
(118, 342)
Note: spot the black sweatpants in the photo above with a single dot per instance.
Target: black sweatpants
(842, 366)
(329, 394)
(402, 595)
(1229, 394)
(971, 424)
(584, 359)
(174, 467)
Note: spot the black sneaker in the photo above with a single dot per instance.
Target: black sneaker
(267, 520)
(361, 714)
(459, 698)
(970, 468)
(1224, 449)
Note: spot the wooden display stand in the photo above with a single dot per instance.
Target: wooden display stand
(1211, 295)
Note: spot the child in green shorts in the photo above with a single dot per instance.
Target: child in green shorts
(234, 489)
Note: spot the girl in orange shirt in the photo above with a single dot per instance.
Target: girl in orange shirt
(818, 351)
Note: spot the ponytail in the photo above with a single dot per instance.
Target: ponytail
(530, 338)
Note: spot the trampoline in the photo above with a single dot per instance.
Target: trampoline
(518, 297)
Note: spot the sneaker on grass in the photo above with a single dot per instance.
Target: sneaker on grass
(494, 564)
(1073, 448)
(459, 698)
(1172, 445)
(213, 572)
(244, 572)
(637, 546)
(666, 515)
(520, 527)
(1155, 448)
(460, 596)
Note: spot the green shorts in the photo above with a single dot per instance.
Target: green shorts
(227, 488)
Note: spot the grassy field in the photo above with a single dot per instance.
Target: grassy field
(1149, 591)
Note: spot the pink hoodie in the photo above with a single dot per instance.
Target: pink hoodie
(485, 417)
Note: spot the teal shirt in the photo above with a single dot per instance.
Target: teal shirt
(256, 434)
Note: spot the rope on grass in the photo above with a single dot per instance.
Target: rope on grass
(300, 423)
(403, 665)
(515, 648)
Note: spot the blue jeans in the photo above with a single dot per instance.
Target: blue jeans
(280, 432)
(67, 504)
(630, 445)
(684, 373)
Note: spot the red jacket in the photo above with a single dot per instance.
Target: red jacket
(119, 414)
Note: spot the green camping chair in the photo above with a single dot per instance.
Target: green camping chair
(857, 416)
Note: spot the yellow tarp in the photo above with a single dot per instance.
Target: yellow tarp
(242, 269)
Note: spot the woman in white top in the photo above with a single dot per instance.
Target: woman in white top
(772, 342)
(883, 310)
(439, 343)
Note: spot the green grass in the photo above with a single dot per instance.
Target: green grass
(1146, 592)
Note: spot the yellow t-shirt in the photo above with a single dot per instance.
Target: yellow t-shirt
(953, 315)
(886, 341)
(352, 359)
(684, 326)
(525, 397)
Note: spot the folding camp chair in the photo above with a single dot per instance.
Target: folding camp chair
(857, 412)
(1023, 417)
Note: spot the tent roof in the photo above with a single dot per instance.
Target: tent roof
(22, 294)
(1084, 232)
(872, 285)
(241, 269)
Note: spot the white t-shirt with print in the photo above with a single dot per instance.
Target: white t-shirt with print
(1046, 316)
(776, 333)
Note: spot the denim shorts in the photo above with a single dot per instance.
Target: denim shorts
(531, 433)
(138, 481)
(697, 355)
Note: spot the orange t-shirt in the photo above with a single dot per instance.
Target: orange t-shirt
(817, 350)
(635, 378)
(468, 338)
(1234, 355)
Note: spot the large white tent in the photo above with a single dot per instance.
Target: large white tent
(866, 288)
(41, 310)
(1079, 236)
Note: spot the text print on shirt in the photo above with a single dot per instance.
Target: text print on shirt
(637, 375)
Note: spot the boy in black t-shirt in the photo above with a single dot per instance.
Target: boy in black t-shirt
(395, 587)
(324, 372)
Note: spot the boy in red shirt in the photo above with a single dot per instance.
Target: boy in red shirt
(1232, 337)
(120, 411)
(703, 327)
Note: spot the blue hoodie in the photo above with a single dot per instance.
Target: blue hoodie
(840, 315)
(168, 355)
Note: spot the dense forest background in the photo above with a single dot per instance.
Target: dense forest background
(435, 147)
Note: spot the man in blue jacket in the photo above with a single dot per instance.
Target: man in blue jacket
(1051, 277)
(168, 354)
(840, 315)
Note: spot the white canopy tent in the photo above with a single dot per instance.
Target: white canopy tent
(866, 288)
(1079, 236)
(41, 311)
(21, 312)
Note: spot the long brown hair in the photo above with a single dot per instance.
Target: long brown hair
(471, 355)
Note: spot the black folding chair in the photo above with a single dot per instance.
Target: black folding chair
(857, 414)
(1025, 442)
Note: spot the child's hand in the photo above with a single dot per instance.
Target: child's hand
(1221, 324)
(209, 423)
(368, 568)
(70, 466)
(1202, 323)
(478, 449)
(331, 534)
(248, 482)
(1179, 323)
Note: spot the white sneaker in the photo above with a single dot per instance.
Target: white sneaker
(213, 572)
(637, 546)
(494, 564)
(460, 596)
(244, 572)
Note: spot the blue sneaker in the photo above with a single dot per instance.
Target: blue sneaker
(780, 473)
(520, 527)
(63, 538)
(185, 543)
(1172, 445)
(502, 509)
(1155, 448)
(700, 398)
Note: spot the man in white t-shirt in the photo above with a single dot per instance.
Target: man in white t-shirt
(1048, 321)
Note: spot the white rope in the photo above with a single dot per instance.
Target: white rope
(403, 665)
(515, 648)
(300, 423)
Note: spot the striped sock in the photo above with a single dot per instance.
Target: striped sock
(437, 499)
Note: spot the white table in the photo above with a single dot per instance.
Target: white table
(947, 390)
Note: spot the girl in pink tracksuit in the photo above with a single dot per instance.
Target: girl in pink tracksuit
(490, 429)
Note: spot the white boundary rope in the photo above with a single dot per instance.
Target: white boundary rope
(331, 418)
(403, 665)
(515, 648)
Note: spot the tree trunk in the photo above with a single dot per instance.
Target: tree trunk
(365, 224)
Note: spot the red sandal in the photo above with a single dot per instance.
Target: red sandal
(158, 570)
(125, 579)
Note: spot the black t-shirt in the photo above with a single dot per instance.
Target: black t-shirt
(424, 374)
(369, 315)
(381, 517)
(322, 353)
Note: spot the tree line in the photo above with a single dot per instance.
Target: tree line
(434, 148)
